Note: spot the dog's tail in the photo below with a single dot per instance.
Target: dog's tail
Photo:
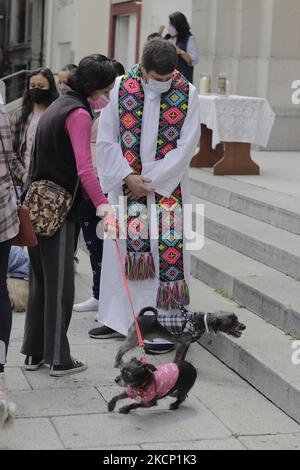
(148, 309)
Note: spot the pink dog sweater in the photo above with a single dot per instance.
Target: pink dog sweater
(165, 377)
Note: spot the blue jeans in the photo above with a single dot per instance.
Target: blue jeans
(5, 306)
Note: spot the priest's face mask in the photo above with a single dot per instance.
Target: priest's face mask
(99, 99)
(156, 82)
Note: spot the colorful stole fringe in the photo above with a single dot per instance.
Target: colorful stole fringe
(139, 263)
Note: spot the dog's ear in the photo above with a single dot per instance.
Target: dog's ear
(150, 367)
(135, 361)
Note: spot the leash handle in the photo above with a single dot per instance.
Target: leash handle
(138, 331)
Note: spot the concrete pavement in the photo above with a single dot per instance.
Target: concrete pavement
(222, 412)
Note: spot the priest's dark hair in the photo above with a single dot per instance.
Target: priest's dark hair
(159, 56)
(94, 72)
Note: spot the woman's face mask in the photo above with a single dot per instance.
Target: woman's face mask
(39, 95)
(99, 103)
(171, 30)
(63, 89)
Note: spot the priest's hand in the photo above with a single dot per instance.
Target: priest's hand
(137, 185)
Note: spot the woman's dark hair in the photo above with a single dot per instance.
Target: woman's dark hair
(160, 56)
(94, 72)
(69, 68)
(179, 21)
(119, 67)
(27, 105)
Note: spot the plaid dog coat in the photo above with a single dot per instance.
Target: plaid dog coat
(178, 324)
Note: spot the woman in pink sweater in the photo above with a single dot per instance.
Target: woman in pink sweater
(63, 155)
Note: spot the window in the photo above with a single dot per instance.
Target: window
(21, 19)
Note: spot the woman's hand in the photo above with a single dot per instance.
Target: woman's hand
(110, 222)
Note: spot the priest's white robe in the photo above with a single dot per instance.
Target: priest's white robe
(166, 174)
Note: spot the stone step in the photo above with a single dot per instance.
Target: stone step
(262, 356)
(261, 289)
(265, 243)
(275, 208)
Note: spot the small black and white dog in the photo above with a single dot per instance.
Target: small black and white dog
(147, 384)
(181, 328)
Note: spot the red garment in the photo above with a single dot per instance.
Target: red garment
(79, 127)
(165, 376)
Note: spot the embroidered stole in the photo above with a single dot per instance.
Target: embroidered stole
(139, 263)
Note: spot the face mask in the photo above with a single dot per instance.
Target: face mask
(171, 30)
(99, 104)
(64, 90)
(39, 96)
(159, 87)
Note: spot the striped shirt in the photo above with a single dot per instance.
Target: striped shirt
(9, 223)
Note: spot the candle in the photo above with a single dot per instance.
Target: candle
(228, 84)
(205, 85)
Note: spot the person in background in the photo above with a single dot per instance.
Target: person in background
(180, 35)
(40, 92)
(63, 77)
(9, 228)
(62, 155)
(89, 222)
(63, 87)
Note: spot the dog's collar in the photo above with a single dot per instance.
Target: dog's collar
(206, 324)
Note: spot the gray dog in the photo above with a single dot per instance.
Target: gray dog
(182, 329)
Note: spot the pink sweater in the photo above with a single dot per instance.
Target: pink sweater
(165, 377)
(79, 127)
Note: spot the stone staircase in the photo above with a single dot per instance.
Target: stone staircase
(251, 263)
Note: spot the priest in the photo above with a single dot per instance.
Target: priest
(148, 135)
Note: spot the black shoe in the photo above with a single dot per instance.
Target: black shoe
(33, 362)
(104, 332)
(155, 349)
(74, 368)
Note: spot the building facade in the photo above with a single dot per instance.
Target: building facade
(255, 42)
(22, 33)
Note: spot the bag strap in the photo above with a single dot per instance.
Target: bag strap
(9, 169)
(75, 192)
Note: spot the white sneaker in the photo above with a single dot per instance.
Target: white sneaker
(7, 407)
(90, 305)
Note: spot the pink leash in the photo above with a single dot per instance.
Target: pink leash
(138, 331)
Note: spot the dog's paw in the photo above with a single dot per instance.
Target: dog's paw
(174, 406)
(111, 405)
(125, 410)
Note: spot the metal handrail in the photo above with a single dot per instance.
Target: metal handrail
(6, 81)
(15, 74)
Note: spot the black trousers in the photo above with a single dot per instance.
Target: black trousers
(5, 306)
(89, 222)
(51, 297)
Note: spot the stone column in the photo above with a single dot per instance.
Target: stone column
(257, 43)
